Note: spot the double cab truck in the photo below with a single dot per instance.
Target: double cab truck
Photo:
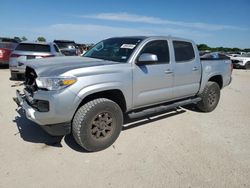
(134, 76)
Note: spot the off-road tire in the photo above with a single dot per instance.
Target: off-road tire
(97, 117)
(209, 98)
(247, 66)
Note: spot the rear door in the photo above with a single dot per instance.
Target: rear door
(187, 70)
(153, 82)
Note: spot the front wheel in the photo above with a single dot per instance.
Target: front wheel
(97, 124)
(209, 98)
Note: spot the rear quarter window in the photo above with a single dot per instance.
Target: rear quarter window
(183, 51)
(33, 47)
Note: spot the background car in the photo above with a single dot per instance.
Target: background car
(30, 50)
(68, 47)
(7, 45)
(242, 61)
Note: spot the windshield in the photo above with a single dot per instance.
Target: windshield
(114, 49)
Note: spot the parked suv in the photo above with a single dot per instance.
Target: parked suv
(30, 50)
(67, 47)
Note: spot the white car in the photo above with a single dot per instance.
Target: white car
(242, 61)
(233, 55)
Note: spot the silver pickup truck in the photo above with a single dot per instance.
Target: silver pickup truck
(136, 76)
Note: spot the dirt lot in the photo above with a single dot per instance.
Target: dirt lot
(177, 149)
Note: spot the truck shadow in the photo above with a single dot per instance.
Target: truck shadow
(31, 132)
(129, 124)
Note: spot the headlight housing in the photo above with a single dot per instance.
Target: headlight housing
(54, 83)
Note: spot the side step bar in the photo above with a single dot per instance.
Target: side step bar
(161, 108)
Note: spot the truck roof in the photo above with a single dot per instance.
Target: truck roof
(155, 37)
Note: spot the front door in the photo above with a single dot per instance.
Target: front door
(153, 82)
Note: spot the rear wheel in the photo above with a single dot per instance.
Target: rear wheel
(247, 66)
(209, 98)
(97, 124)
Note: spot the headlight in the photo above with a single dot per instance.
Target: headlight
(55, 83)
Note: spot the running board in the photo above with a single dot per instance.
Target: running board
(161, 108)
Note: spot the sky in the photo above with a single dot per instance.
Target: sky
(216, 23)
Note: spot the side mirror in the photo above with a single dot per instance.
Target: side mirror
(147, 58)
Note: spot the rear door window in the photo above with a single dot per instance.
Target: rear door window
(183, 51)
(33, 47)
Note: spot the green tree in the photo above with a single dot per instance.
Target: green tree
(41, 39)
(24, 38)
(203, 47)
(246, 50)
(235, 49)
(17, 39)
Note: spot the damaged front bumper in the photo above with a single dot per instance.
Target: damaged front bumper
(39, 112)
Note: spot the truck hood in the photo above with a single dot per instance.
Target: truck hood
(56, 66)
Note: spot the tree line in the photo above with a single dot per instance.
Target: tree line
(23, 38)
(204, 47)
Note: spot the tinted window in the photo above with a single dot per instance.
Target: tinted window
(183, 51)
(8, 45)
(64, 44)
(56, 49)
(8, 40)
(33, 47)
(159, 48)
(114, 49)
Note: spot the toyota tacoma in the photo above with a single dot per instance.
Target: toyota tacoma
(136, 76)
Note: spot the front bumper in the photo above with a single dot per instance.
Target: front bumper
(56, 121)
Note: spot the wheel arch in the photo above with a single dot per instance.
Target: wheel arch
(115, 95)
(217, 79)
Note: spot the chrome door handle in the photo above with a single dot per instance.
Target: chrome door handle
(168, 71)
(195, 69)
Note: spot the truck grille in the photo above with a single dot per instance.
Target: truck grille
(30, 80)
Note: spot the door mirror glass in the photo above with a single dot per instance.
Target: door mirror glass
(147, 58)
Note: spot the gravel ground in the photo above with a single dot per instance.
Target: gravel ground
(176, 149)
